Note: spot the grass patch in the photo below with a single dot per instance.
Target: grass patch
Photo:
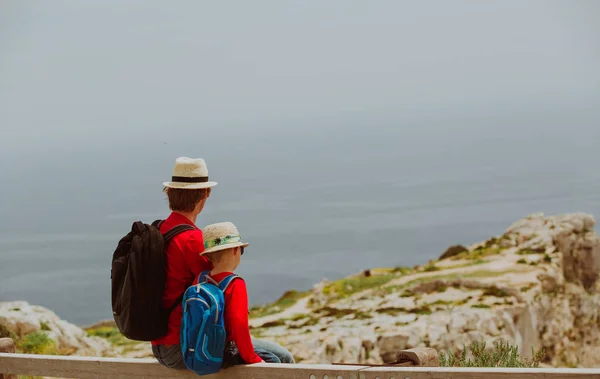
(441, 302)
(335, 312)
(431, 268)
(37, 343)
(539, 250)
(402, 270)
(360, 315)
(478, 253)
(422, 310)
(547, 258)
(113, 335)
(298, 317)
(495, 291)
(285, 301)
(501, 355)
(482, 306)
(346, 287)
(44, 326)
(527, 288)
(405, 289)
(15, 309)
(464, 301)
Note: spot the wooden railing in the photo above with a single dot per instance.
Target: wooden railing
(12, 364)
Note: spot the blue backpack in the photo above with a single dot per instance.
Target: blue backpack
(202, 330)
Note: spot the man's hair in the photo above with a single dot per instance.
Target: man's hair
(185, 200)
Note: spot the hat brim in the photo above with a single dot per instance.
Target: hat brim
(223, 247)
(180, 185)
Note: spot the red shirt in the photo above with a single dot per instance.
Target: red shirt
(183, 265)
(236, 317)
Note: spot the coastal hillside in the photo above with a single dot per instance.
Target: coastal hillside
(535, 285)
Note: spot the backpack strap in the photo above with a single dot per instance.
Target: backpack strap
(225, 282)
(203, 277)
(175, 231)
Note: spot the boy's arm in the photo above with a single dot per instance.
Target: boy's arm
(236, 316)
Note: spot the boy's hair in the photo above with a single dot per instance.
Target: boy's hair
(217, 256)
(185, 200)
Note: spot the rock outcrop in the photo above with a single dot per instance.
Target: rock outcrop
(21, 320)
(536, 286)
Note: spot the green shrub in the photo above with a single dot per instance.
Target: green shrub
(37, 343)
(495, 291)
(44, 326)
(402, 270)
(501, 355)
(349, 286)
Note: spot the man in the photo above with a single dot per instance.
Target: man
(187, 193)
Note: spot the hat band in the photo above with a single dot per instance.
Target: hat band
(185, 179)
(222, 241)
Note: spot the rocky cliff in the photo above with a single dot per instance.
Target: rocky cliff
(536, 285)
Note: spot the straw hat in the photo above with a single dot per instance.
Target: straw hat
(189, 173)
(221, 236)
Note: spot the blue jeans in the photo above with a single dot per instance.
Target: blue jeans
(279, 351)
(232, 357)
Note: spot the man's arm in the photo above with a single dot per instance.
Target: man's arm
(191, 254)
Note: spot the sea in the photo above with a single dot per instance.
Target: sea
(315, 197)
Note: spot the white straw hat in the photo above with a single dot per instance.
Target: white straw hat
(221, 236)
(189, 173)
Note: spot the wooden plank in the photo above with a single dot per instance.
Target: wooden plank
(477, 373)
(120, 368)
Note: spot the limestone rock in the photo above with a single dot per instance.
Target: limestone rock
(22, 318)
(535, 286)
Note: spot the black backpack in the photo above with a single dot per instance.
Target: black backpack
(138, 281)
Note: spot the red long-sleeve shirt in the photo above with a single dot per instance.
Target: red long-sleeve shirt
(183, 266)
(236, 317)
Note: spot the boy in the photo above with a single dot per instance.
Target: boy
(187, 192)
(223, 246)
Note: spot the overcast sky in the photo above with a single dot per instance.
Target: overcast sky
(73, 66)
